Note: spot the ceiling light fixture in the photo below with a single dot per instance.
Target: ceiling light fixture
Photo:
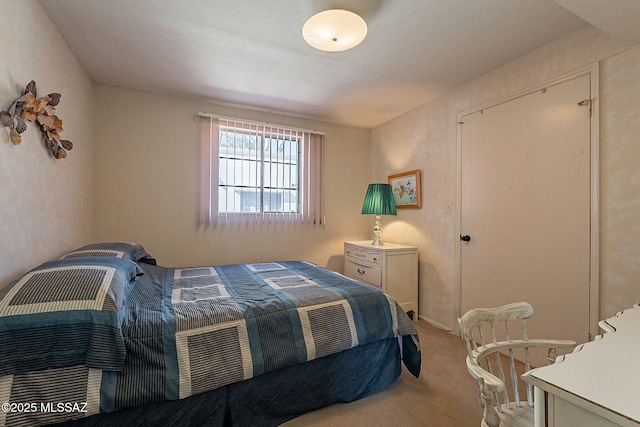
(334, 30)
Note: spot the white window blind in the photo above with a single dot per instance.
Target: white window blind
(262, 174)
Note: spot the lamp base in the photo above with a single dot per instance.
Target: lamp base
(377, 228)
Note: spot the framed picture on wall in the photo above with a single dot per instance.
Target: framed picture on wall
(406, 189)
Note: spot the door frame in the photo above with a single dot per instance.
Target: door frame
(594, 271)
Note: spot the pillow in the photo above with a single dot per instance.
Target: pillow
(66, 313)
(130, 251)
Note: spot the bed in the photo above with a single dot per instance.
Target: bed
(104, 336)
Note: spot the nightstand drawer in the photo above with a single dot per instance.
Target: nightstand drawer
(371, 275)
(361, 255)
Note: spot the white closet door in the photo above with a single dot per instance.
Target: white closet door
(526, 206)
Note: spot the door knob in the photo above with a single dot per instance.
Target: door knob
(465, 238)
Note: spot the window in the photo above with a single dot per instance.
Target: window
(260, 173)
(257, 172)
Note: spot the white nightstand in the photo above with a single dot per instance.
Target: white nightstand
(389, 267)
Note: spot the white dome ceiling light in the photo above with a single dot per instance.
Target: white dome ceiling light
(334, 30)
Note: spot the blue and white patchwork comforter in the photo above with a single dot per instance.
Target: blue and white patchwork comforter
(121, 338)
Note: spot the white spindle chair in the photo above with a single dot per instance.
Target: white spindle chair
(491, 343)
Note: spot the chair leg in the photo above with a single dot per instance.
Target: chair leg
(489, 414)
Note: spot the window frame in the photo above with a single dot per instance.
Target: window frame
(264, 163)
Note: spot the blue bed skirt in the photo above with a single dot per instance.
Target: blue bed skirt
(273, 398)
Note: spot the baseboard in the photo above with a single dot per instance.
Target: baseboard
(436, 324)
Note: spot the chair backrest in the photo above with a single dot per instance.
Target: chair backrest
(496, 337)
(500, 332)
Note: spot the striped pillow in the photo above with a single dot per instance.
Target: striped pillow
(130, 251)
(66, 313)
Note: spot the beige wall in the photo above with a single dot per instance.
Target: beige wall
(620, 181)
(45, 204)
(144, 181)
(425, 138)
(146, 177)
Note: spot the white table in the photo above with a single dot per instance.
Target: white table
(596, 385)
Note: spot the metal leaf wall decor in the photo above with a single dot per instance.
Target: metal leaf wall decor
(30, 108)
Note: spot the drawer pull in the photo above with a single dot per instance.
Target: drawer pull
(361, 271)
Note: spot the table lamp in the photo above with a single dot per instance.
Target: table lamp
(378, 201)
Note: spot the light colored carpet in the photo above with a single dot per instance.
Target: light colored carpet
(443, 396)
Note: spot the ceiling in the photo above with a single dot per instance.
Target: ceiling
(250, 53)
